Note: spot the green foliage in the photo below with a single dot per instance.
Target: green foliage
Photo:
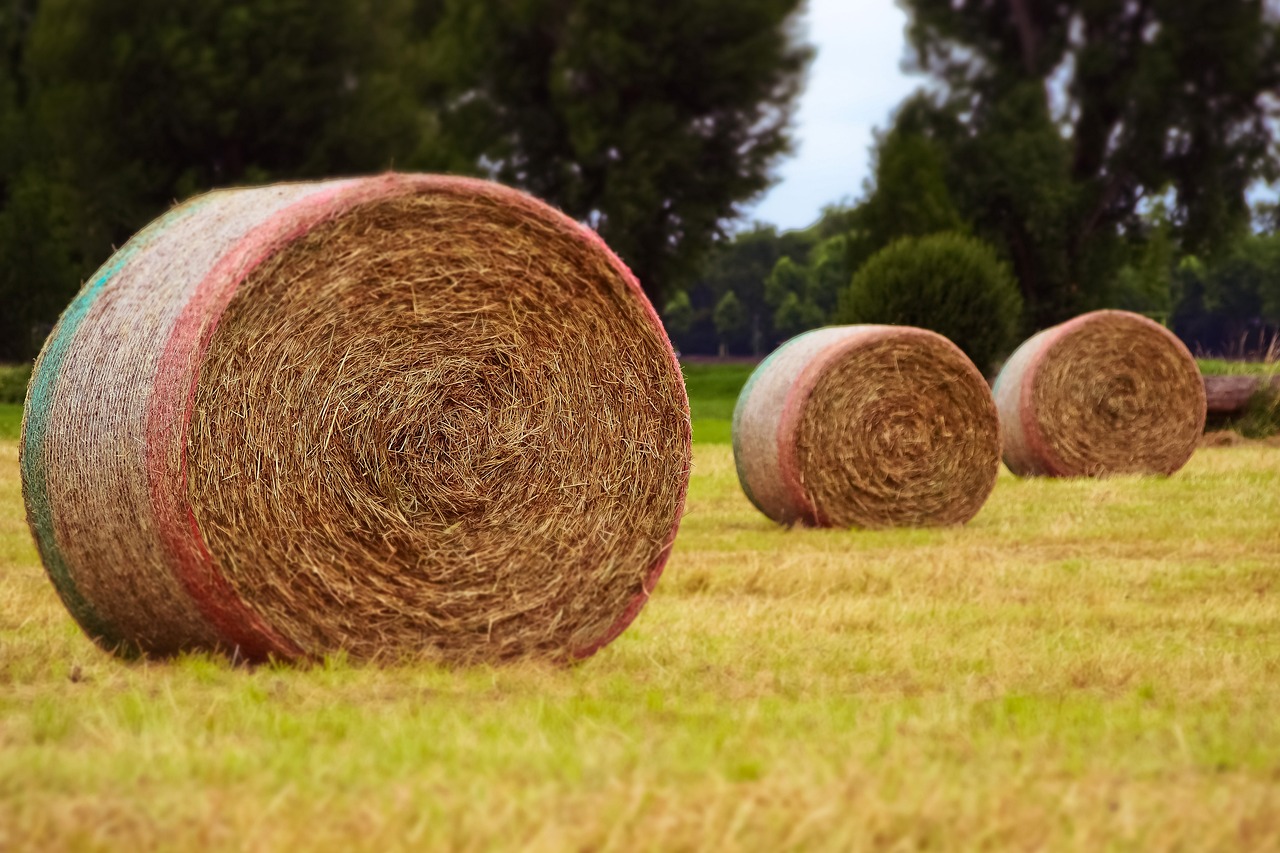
(1227, 301)
(148, 101)
(39, 272)
(797, 314)
(653, 122)
(730, 319)
(950, 283)
(744, 265)
(111, 110)
(789, 291)
(787, 278)
(677, 314)
(1145, 284)
(1057, 120)
(831, 263)
(910, 196)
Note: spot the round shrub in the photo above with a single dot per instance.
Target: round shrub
(949, 283)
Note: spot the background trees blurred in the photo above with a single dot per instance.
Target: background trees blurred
(1104, 151)
(652, 124)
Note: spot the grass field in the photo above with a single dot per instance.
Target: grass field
(1085, 665)
(1223, 367)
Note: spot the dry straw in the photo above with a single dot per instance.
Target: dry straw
(867, 426)
(1108, 392)
(395, 416)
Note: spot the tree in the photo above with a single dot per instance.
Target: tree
(909, 196)
(1146, 283)
(743, 265)
(1230, 303)
(37, 272)
(1059, 120)
(677, 315)
(730, 320)
(652, 122)
(148, 101)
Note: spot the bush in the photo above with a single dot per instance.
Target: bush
(949, 283)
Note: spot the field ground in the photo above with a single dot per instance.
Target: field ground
(10, 421)
(1085, 665)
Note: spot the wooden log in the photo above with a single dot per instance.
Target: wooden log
(1230, 394)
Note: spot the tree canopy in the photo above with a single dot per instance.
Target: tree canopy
(1061, 121)
(652, 123)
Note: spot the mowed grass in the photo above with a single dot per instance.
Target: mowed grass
(1085, 665)
(713, 392)
(10, 421)
(1224, 367)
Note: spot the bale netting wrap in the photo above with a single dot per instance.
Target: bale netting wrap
(396, 416)
(1108, 392)
(867, 426)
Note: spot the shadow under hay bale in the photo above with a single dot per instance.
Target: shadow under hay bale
(867, 426)
(393, 416)
(1107, 392)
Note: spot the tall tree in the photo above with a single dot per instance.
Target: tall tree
(37, 273)
(652, 122)
(1062, 118)
(149, 101)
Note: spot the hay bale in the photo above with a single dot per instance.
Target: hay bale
(393, 416)
(1107, 392)
(867, 426)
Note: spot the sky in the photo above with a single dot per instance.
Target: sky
(854, 83)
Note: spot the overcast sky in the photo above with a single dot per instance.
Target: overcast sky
(854, 83)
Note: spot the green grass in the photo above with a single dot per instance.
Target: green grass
(1225, 367)
(713, 392)
(13, 390)
(10, 421)
(1086, 665)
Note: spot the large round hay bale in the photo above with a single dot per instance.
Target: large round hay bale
(867, 426)
(393, 416)
(1107, 392)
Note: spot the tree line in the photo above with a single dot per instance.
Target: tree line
(1102, 152)
(1105, 151)
(653, 123)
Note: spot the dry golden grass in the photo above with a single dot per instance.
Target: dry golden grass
(1087, 664)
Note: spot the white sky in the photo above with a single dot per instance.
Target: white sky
(855, 81)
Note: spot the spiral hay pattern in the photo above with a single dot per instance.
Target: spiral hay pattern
(867, 426)
(394, 416)
(1107, 392)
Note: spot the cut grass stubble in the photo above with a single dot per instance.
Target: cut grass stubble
(1086, 662)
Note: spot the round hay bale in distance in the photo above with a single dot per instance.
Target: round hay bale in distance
(1108, 392)
(867, 426)
(393, 417)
